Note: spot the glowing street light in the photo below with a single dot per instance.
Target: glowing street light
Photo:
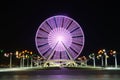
(27, 57)
(100, 55)
(80, 60)
(106, 57)
(23, 58)
(10, 56)
(19, 56)
(38, 58)
(31, 59)
(103, 54)
(25, 54)
(83, 60)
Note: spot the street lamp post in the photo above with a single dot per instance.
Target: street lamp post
(27, 60)
(18, 55)
(102, 61)
(80, 61)
(106, 56)
(106, 64)
(23, 60)
(114, 54)
(11, 60)
(94, 61)
(38, 60)
(10, 57)
(31, 61)
(102, 53)
(115, 60)
(20, 62)
(100, 56)
(84, 59)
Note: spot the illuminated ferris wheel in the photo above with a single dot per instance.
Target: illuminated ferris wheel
(59, 37)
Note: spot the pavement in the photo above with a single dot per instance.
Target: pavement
(61, 70)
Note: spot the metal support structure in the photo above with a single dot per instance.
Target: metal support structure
(71, 59)
(67, 51)
(52, 52)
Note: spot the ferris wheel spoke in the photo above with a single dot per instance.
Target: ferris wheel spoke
(52, 51)
(69, 24)
(53, 55)
(68, 53)
(55, 22)
(62, 22)
(77, 36)
(46, 51)
(49, 25)
(42, 37)
(74, 30)
(60, 55)
(74, 50)
(44, 30)
(42, 45)
(77, 44)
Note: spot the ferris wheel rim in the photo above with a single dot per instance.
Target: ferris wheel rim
(64, 17)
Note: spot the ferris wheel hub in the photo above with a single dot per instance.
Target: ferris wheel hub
(60, 38)
(59, 35)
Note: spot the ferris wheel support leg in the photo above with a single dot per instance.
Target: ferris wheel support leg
(67, 51)
(52, 52)
(47, 62)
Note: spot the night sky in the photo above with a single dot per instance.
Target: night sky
(98, 19)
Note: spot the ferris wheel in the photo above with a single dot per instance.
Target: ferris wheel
(59, 37)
